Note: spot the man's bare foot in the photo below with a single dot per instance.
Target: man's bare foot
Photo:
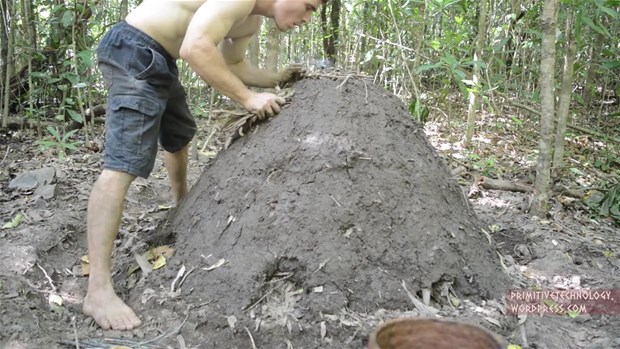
(109, 311)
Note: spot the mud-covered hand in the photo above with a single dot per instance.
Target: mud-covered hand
(264, 104)
(290, 75)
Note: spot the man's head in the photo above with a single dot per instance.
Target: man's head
(291, 13)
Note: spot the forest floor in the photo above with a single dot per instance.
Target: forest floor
(42, 263)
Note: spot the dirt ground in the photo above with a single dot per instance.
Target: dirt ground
(306, 233)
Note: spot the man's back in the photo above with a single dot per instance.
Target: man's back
(166, 21)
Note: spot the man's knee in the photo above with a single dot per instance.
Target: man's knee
(115, 178)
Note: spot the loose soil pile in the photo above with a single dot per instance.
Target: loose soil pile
(338, 204)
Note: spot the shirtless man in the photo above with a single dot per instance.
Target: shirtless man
(146, 104)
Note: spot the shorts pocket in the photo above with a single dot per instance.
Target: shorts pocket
(135, 121)
(137, 103)
(149, 64)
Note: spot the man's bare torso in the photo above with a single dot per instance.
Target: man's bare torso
(166, 21)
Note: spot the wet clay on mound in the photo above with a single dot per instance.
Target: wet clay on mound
(342, 191)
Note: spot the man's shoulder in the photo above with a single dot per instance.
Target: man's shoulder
(247, 27)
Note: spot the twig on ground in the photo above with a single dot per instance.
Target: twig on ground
(345, 81)
(333, 75)
(185, 277)
(77, 341)
(170, 333)
(497, 184)
(336, 201)
(49, 279)
(523, 335)
(251, 339)
(322, 265)
(8, 149)
(424, 309)
(486, 233)
(177, 278)
(268, 293)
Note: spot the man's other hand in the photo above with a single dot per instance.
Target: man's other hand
(264, 104)
(293, 73)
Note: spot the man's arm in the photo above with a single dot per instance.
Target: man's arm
(234, 55)
(209, 26)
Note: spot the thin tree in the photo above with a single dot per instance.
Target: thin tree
(273, 47)
(9, 11)
(330, 30)
(540, 199)
(124, 9)
(254, 50)
(565, 94)
(31, 33)
(473, 93)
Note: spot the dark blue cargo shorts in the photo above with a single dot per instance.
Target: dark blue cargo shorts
(146, 101)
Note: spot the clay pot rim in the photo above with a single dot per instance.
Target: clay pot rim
(373, 336)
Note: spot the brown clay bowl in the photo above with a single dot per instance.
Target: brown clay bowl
(424, 333)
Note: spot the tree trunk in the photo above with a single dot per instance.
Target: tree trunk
(273, 44)
(565, 94)
(4, 41)
(330, 30)
(510, 48)
(8, 26)
(332, 53)
(547, 67)
(474, 90)
(124, 8)
(31, 22)
(30, 29)
(254, 50)
(590, 83)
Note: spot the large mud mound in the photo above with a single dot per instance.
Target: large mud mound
(342, 191)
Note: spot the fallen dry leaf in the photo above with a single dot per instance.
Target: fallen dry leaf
(208, 153)
(132, 269)
(55, 299)
(164, 207)
(179, 276)
(219, 263)
(147, 295)
(13, 223)
(164, 250)
(143, 263)
(159, 262)
(317, 289)
(85, 269)
(232, 320)
(84, 263)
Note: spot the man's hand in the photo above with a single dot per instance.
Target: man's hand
(263, 104)
(293, 73)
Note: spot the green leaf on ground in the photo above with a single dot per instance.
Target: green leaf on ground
(14, 223)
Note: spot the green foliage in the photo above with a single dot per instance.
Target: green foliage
(418, 111)
(60, 143)
(486, 166)
(453, 72)
(608, 161)
(605, 203)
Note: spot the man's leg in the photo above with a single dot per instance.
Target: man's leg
(105, 210)
(176, 165)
